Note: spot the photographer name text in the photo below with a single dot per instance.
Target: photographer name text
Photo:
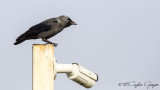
(147, 84)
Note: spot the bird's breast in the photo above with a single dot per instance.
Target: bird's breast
(50, 33)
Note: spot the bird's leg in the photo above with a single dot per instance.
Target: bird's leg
(45, 40)
(49, 42)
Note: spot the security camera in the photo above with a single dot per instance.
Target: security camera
(78, 74)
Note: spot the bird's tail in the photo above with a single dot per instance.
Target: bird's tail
(19, 40)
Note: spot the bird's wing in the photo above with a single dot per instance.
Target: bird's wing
(41, 27)
(34, 30)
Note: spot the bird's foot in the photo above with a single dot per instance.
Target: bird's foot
(55, 44)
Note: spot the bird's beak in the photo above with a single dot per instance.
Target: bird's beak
(73, 23)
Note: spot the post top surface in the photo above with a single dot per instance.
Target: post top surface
(43, 44)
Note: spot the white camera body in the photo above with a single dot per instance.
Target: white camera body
(78, 74)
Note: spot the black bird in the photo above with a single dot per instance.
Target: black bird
(46, 29)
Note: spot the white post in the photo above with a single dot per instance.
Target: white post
(43, 67)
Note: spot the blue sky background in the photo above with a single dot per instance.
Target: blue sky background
(117, 39)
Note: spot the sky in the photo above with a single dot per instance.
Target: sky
(117, 39)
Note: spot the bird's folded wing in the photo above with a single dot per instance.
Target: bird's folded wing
(38, 28)
(35, 30)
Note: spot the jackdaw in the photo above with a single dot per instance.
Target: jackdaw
(46, 29)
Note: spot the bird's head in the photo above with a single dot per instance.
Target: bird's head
(66, 20)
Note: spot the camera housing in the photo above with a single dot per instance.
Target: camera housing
(78, 74)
